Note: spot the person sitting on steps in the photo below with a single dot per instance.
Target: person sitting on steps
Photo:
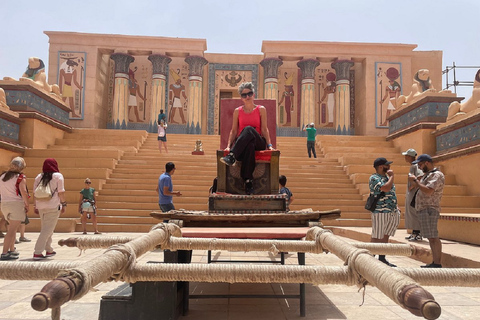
(249, 133)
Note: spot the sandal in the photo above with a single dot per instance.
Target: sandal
(96, 232)
(84, 232)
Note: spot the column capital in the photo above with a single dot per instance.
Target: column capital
(342, 69)
(159, 63)
(308, 68)
(270, 65)
(122, 62)
(196, 64)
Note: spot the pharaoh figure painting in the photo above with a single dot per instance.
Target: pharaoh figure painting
(287, 100)
(139, 82)
(71, 80)
(177, 94)
(327, 87)
(388, 88)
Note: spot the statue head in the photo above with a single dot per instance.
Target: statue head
(476, 83)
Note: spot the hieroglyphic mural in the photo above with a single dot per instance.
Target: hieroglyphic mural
(388, 87)
(288, 95)
(71, 80)
(139, 82)
(325, 92)
(178, 92)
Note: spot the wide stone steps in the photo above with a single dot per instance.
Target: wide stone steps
(125, 165)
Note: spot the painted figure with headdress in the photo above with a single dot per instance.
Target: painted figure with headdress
(68, 74)
(176, 90)
(287, 97)
(134, 89)
(329, 93)
(392, 92)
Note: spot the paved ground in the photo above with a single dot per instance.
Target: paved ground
(323, 301)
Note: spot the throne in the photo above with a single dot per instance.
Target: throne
(265, 176)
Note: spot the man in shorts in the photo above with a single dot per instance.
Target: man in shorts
(427, 204)
(386, 216)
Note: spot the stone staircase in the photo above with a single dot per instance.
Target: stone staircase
(124, 167)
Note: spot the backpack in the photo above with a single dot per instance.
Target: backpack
(43, 192)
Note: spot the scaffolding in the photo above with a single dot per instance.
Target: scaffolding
(457, 83)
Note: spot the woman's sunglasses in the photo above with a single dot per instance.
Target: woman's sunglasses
(88, 182)
(244, 95)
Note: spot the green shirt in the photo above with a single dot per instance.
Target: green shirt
(88, 193)
(311, 133)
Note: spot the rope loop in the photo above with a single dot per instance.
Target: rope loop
(170, 230)
(354, 277)
(131, 259)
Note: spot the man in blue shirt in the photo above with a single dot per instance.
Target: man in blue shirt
(165, 188)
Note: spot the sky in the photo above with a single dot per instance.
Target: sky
(241, 26)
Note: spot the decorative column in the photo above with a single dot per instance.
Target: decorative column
(342, 97)
(159, 83)
(121, 91)
(270, 66)
(195, 82)
(308, 90)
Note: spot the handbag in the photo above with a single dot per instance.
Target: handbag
(43, 192)
(372, 201)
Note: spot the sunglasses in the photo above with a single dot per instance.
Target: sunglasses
(244, 95)
(88, 182)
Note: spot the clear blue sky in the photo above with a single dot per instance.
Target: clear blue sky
(240, 26)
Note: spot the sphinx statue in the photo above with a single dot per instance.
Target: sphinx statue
(36, 73)
(421, 84)
(456, 108)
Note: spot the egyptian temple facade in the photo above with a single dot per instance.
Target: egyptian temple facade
(122, 82)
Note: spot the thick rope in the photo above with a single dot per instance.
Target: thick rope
(33, 270)
(113, 261)
(458, 277)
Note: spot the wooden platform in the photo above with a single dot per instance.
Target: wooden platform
(206, 219)
(247, 204)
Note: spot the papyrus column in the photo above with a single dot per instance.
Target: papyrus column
(308, 90)
(342, 97)
(195, 90)
(121, 91)
(270, 66)
(159, 82)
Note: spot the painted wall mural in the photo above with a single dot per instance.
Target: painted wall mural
(178, 92)
(71, 80)
(288, 95)
(388, 87)
(325, 87)
(139, 83)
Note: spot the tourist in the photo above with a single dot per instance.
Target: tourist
(311, 133)
(282, 181)
(87, 206)
(162, 116)
(162, 135)
(14, 194)
(49, 208)
(165, 188)
(427, 204)
(249, 133)
(411, 217)
(386, 216)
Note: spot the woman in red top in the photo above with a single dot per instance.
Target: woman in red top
(249, 133)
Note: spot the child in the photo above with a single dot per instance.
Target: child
(87, 207)
(162, 135)
(284, 190)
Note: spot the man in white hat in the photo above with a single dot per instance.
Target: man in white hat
(411, 218)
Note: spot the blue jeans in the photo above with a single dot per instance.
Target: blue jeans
(166, 207)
